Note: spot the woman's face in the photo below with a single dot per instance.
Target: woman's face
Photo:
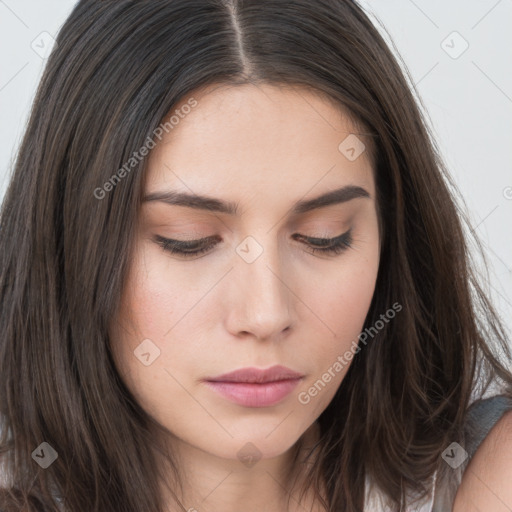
(259, 295)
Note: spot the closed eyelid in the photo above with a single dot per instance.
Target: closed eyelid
(323, 238)
(195, 248)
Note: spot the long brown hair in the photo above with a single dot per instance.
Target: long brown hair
(118, 68)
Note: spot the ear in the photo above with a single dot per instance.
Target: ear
(487, 481)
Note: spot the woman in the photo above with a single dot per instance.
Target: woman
(233, 275)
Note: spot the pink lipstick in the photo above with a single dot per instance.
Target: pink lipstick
(252, 387)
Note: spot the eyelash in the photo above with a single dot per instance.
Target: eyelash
(336, 245)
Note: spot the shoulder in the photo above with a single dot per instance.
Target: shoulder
(486, 482)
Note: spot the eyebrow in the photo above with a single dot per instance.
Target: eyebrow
(211, 204)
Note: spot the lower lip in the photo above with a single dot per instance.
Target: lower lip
(255, 395)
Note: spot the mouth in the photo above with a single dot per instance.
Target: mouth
(255, 387)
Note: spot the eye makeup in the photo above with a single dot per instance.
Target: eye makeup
(190, 248)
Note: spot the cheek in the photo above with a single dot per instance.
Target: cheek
(158, 304)
(341, 296)
(147, 309)
(155, 294)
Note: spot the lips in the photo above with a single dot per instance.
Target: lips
(257, 376)
(252, 387)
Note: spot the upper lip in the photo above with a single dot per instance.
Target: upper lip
(272, 374)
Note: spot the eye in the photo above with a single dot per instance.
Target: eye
(328, 245)
(187, 248)
(192, 248)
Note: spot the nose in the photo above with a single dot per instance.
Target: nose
(259, 296)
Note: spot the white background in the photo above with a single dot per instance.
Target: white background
(468, 99)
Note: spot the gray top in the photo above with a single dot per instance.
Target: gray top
(482, 415)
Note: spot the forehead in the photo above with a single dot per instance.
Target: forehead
(248, 136)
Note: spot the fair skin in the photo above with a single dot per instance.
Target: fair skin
(264, 148)
(486, 483)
